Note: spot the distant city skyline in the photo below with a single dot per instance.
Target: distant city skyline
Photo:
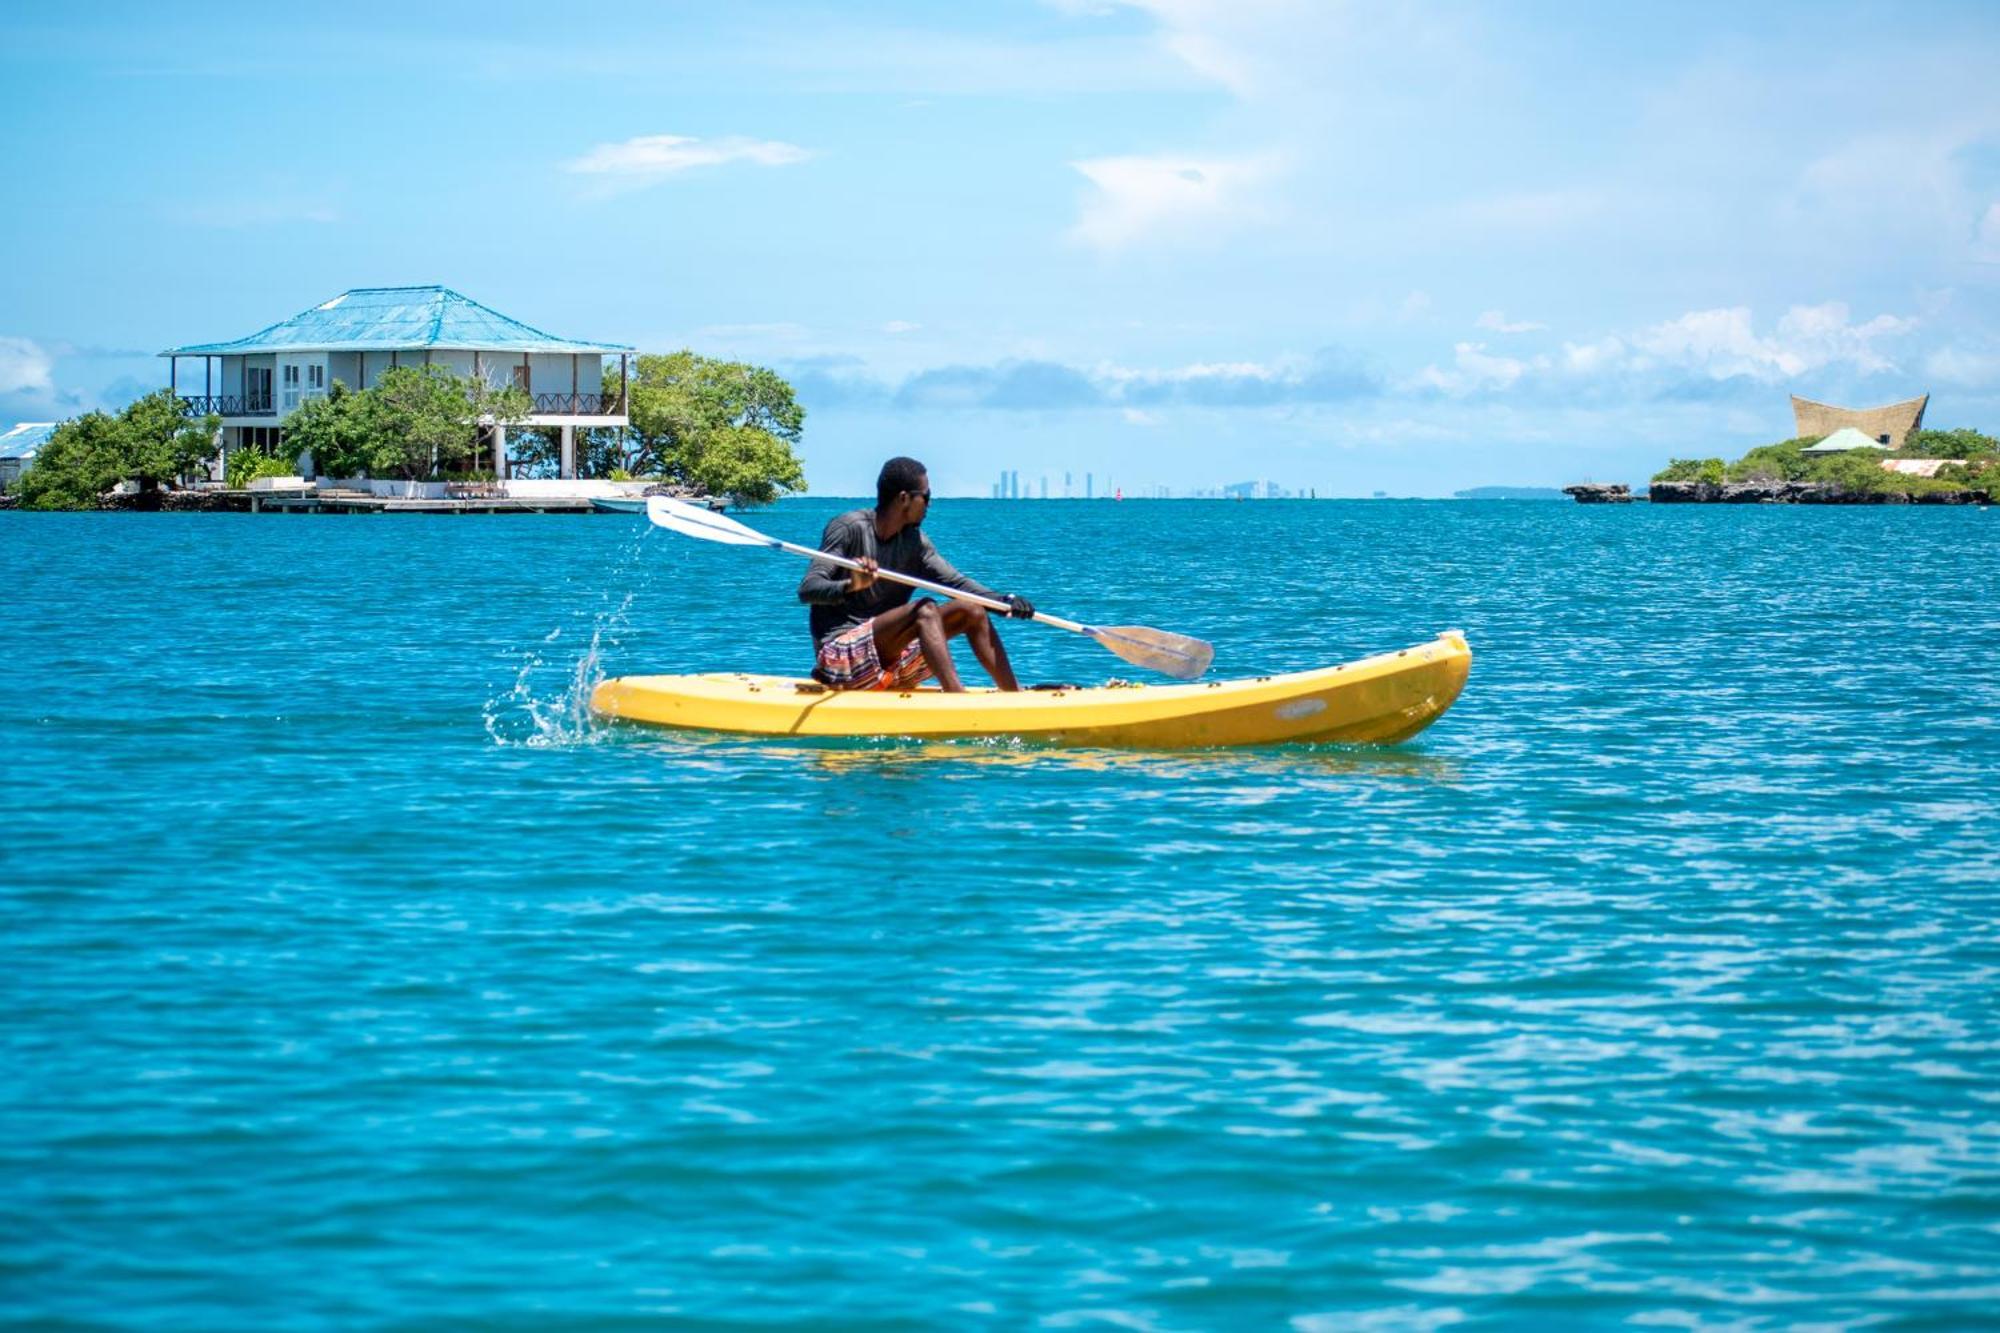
(1179, 243)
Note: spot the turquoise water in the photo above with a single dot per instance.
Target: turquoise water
(351, 977)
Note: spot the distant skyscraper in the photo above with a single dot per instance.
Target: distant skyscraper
(1087, 482)
(1045, 488)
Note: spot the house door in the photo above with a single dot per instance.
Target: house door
(288, 375)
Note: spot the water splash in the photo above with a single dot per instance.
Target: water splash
(539, 712)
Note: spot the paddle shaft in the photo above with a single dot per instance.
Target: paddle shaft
(913, 581)
(1174, 655)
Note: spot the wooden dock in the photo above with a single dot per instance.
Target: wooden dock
(311, 501)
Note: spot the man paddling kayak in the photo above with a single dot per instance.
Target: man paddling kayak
(867, 632)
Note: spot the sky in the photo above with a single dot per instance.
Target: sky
(1346, 248)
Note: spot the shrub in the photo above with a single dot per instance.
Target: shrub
(1706, 470)
(246, 465)
(1961, 443)
(1782, 461)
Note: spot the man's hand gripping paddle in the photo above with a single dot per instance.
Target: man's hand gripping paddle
(1174, 655)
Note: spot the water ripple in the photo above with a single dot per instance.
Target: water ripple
(353, 975)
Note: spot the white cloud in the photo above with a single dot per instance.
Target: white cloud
(1591, 357)
(1963, 367)
(900, 326)
(656, 156)
(1474, 368)
(1138, 417)
(1498, 322)
(1144, 198)
(1724, 342)
(24, 365)
(1252, 48)
(1190, 374)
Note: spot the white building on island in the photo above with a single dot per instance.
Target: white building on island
(255, 382)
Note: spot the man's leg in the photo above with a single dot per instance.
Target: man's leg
(922, 621)
(977, 627)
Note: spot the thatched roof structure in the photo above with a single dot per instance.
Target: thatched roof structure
(1889, 425)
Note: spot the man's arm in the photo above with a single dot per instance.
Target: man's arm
(828, 584)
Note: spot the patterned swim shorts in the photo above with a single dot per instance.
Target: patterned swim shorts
(847, 661)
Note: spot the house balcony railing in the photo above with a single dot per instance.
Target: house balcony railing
(230, 405)
(265, 405)
(581, 404)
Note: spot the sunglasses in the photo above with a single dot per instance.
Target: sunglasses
(925, 496)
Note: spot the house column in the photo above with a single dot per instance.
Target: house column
(208, 381)
(568, 453)
(499, 452)
(173, 375)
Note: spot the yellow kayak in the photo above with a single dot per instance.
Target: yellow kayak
(1382, 699)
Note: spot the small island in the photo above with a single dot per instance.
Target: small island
(1950, 467)
(1875, 455)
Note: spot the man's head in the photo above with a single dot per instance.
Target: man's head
(902, 477)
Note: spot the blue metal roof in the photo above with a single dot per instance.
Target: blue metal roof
(25, 439)
(385, 319)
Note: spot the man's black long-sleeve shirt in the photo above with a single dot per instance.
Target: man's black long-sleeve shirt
(825, 586)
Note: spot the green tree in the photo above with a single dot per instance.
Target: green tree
(418, 421)
(165, 441)
(536, 451)
(1961, 443)
(751, 465)
(1708, 470)
(334, 429)
(1860, 470)
(154, 440)
(1783, 461)
(84, 458)
(723, 425)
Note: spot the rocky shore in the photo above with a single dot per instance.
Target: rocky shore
(1600, 493)
(1798, 493)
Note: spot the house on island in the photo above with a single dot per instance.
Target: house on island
(1887, 426)
(255, 382)
(18, 447)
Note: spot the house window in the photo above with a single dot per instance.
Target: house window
(291, 382)
(316, 377)
(257, 389)
(1882, 439)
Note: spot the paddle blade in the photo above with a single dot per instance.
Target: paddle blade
(1173, 655)
(695, 521)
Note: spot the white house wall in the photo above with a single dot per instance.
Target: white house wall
(551, 372)
(229, 377)
(458, 363)
(345, 367)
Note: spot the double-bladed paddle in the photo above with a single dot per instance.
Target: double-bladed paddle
(1174, 655)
